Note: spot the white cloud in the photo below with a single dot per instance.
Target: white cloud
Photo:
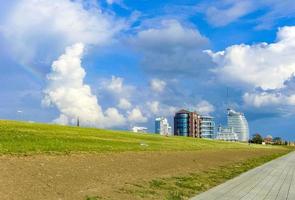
(124, 104)
(154, 107)
(267, 66)
(115, 85)
(262, 99)
(67, 91)
(63, 120)
(35, 26)
(276, 10)
(157, 85)
(172, 48)
(268, 99)
(110, 2)
(233, 11)
(222, 13)
(113, 118)
(204, 107)
(136, 116)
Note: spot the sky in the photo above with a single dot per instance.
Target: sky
(122, 63)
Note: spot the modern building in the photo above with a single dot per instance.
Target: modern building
(137, 129)
(226, 134)
(207, 127)
(238, 122)
(162, 126)
(187, 123)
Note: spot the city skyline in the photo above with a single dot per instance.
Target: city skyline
(119, 63)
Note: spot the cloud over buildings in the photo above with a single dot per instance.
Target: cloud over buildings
(156, 108)
(263, 99)
(136, 116)
(204, 107)
(266, 66)
(171, 48)
(264, 72)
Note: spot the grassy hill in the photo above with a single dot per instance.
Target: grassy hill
(23, 137)
(84, 163)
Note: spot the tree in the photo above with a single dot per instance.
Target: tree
(277, 140)
(257, 139)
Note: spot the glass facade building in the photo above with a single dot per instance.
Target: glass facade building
(187, 123)
(182, 124)
(207, 127)
(238, 122)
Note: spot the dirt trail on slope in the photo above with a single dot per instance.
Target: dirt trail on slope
(70, 177)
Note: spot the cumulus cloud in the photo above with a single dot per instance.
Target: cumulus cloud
(263, 72)
(154, 107)
(116, 88)
(172, 48)
(113, 118)
(115, 85)
(157, 85)
(136, 116)
(204, 107)
(268, 99)
(34, 24)
(124, 104)
(67, 91)
(266, 66)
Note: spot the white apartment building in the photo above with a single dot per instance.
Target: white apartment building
(162, 126)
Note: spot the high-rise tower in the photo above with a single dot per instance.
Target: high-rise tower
(238, 122)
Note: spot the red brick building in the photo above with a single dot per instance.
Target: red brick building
(187, 123)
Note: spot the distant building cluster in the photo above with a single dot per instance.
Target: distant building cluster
(192, 124)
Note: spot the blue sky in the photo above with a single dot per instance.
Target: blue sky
(119, 63)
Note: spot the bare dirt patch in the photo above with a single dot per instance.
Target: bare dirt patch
(103, 175)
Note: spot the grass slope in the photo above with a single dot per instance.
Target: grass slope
(21, 137)
(184, 187)
(141, 174)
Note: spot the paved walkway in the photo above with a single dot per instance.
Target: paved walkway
(273, 180)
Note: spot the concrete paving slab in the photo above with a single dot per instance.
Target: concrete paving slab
(273, 180)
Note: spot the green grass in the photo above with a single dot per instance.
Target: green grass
(27, 138)
(21, 138)
(184, 187)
